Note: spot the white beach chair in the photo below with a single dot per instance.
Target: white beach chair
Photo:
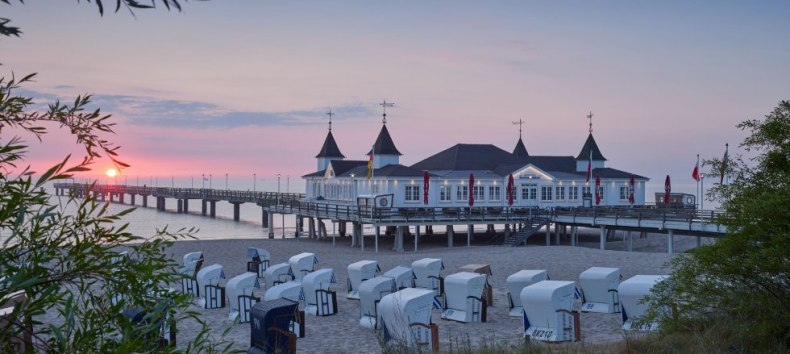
(405, 317)
(212, 294)
(403, 277)
(599, 290)
(518, 281)
(631, 292)
(319, 300)
(370, 293)
(548, 306)
(359, 272)
(240, 297)
(464, 295)
(192, 264)
(302, 264)
(427, 275)
(277, 274)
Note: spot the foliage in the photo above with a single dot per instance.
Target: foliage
(743, 280)
(64, 254)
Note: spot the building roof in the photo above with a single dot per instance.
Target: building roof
(330, 148)
(596, 152)
(384, 144)
(468, 157)
(392, 170)
(520, 150)
(342, 167)
(606, 172)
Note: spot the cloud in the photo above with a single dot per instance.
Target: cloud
(155, 112)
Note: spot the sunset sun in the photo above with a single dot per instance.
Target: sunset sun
(111, 172)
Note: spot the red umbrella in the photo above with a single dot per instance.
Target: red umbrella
(631, 190)
(426, 184)
(667, 190)
(597, 190)
(471, 189)
(510, 190)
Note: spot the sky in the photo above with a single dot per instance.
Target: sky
(242, 87)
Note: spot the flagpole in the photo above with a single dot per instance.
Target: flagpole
(699, 192)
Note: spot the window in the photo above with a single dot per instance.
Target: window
(585, 190)
(573, 193)
(559, 191)
(444, 194)
(412, 193)
(374, 188)
(529, 191)
(494, 193)
(600, 192)
(462, 193)
(545, 193)
(624, 193)
(477, 192)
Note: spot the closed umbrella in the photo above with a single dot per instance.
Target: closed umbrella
(631, 190)
(597, 190)
(510, 191)
(667, 190)
(426, 184)
(471, 189)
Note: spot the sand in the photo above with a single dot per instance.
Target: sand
(342, 333)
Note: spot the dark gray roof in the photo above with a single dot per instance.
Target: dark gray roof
(330, 148)
(393, 170)
(384, 144)
(596, 152)
(606, 172)
(341, 167)
(468, 157)
(520, 150)
(315, 174)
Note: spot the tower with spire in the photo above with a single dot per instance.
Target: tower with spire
(384, 150)
(520, 150)
(590, 152)
(329, 151)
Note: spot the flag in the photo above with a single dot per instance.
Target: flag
(370, 164)
(724, 162)
(695, 173)
(589, 167)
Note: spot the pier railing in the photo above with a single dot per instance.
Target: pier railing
(260, 198)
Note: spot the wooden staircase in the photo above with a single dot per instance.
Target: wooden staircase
(527, 229)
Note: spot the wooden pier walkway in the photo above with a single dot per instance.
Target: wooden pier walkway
(519, 223)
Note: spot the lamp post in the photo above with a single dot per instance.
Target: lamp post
(254, 182)
(702, 191)
(210, 180)
(203, 179)
(226, 181)
(278, 203)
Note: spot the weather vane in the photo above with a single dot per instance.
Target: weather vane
(384, 104)
(330, 114)
(520, 123)
(589, 116)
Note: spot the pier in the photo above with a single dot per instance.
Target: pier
(518, 224)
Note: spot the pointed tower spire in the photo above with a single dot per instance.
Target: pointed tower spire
(520, 150)
(590, 153)
(329, 151)
(384, 104)
(384, 150)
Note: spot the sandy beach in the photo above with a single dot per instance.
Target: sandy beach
(342, 333)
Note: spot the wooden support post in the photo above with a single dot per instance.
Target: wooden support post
(630, 241)
(603, 237)
(378, 231)
(133, 195)
(416, 237)
(557, 234)
(469, 232)
(270, 224)
(145, 201)
(574, 235)
(548, 234)
(670, 242)
(399, 238)
(212, 210)
(699, 241)
(450, 235)
(179, 206)
(311, 228)
(186, 206)
(236, 211)
(204, 209)
(264, 216)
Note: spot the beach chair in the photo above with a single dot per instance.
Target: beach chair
(488, 292)
(518, 281)
(19, 327)
(302, 264)
(359, 272)
(405, 319)
(370, 293)
(277, 274)
(212, 294)
(257, 260)
(291, 291)
(599, 290)
(632, 292)
(427, 275)
(240, 296)
(464, 297)
(548, 315)
(319, 300)
(403, 277)
(269, 326)
(193, 262)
